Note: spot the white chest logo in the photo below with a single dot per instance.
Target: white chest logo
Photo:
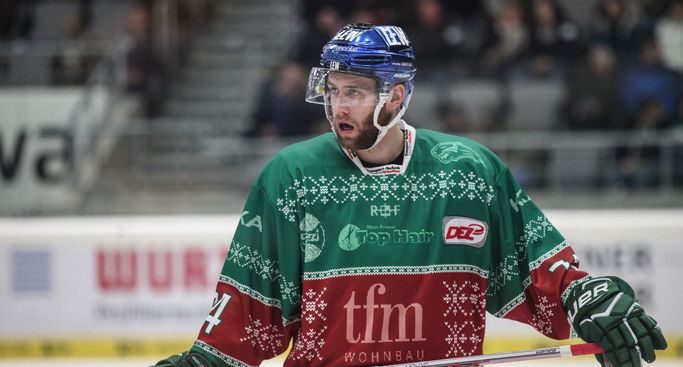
(451, 151)
(464, 231)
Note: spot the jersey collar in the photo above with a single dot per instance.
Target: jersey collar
(389, 169)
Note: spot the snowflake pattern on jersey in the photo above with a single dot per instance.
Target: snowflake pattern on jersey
(245, 257)
(228, 360)
(504, 272)
(464, 317)
(455, 184)
(535, 231)
(310, 340)
(544, 310)
(267, 337)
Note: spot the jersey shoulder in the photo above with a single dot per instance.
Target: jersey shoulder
(304, 156)
(310, 151)
(456, 150)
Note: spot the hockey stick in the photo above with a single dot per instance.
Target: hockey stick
(524, 355)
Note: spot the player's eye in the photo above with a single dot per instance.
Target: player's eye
(353, 92)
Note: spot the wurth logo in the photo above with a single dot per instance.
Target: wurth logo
(464, 231)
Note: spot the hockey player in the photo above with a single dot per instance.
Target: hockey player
(380, 243)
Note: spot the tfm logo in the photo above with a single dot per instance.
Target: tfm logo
(464, 231)
(367, 335)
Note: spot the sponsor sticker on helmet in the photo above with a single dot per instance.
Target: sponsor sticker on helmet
(464, 231)
(394, 36)
(348, 34)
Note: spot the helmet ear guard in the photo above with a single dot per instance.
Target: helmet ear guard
(380, 52)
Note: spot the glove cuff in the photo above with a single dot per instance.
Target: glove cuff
(198, 360)
(185, 359)
(592, 293)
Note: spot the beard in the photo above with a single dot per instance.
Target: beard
(366, 135)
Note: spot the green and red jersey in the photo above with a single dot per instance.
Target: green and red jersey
(400, 263)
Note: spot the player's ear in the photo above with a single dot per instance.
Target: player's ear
(398, 92)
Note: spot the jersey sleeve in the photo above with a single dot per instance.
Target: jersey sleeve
(256, 309)
(532, 265)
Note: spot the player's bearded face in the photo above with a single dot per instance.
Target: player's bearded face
(353, 100)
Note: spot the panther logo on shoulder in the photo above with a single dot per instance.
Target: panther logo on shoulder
(451, 151)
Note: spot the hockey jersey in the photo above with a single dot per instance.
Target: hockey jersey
(394, 264)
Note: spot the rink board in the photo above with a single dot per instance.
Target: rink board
(141, 286)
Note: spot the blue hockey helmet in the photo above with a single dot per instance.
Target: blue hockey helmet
(383, 53)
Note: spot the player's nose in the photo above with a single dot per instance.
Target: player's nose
(341, 114)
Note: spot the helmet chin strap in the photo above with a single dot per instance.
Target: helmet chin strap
(383, 130)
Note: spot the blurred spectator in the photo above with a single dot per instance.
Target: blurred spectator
(73, 62)
(17, 19)
(504, 42)
(458, 116)
(651, 80)
(677, 130)
(677, 121)
(464, 34)
(554, 40)
(655, 92)
(388, 11)
(145, 76)
(281, 109)
(8, 11)
(451, 118)
(311, 8)
(669, 31)
(327, 23)
(364, 15)
(85, 14)
(465, 9)
(653, 9)
(651, 116)
(614, 24)
(427, 36)
(638, 161)
(593, 99)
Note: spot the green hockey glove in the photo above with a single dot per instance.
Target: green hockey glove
(604, 311)
(185, 359)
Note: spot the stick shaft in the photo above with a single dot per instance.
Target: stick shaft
(524, 355)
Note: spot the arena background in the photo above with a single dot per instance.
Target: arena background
(131, 132)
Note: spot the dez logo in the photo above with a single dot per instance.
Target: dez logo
(464, 231)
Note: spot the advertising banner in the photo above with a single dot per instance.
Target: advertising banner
(38, 147)
(109, 277)
(120, 286)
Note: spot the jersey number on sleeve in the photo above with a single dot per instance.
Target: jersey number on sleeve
(564, 263)
(214, 317)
